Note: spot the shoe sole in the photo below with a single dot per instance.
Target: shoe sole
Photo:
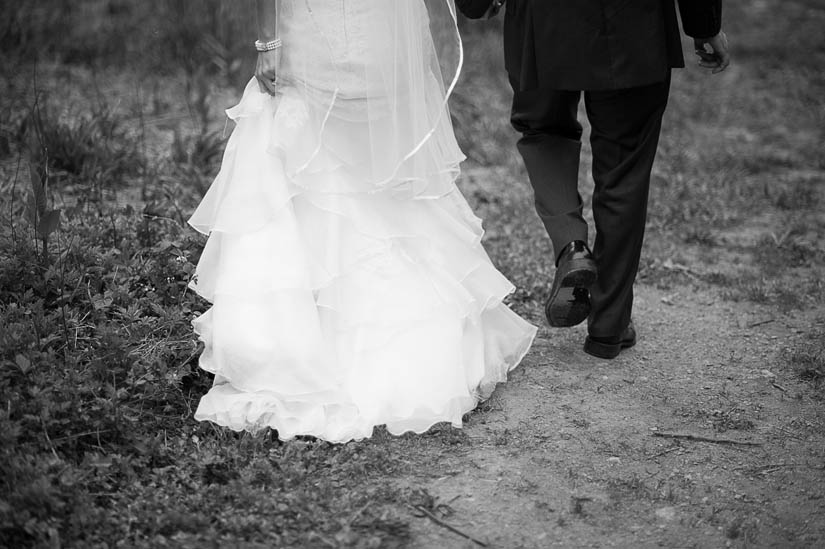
(606, 350)
(569, 301)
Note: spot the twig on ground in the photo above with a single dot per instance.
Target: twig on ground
(767, 469)
(358, 513)
(46, 433)
(699, 438)
(78, 435)
(790, 433)
(438, 521)
(760, 322)
(577, 504)
(778, 386)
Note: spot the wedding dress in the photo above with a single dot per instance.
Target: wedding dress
(348, 283)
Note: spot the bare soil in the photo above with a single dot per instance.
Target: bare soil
(705, 434)
(567, 453)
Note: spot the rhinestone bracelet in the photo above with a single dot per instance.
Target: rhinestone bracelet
(268, 46)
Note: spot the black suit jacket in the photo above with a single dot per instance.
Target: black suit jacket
(596, 44)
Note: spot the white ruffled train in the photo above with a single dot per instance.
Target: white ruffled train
(339, 304)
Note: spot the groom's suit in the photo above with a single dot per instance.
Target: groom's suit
(618, 53)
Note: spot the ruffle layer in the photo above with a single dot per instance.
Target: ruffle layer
(341, 301)
(295, 143)
(435, 371)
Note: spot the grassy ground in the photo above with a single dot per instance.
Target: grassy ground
(98, 376)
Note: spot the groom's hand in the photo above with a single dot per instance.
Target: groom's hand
(713, 52)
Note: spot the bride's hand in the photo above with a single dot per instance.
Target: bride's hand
(266, 70)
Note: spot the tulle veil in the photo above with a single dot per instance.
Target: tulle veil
(390, 65)
(380, 69)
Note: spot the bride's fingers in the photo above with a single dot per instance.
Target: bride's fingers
(266, 71)
(259, 76)
(268, 83)
(267, 79)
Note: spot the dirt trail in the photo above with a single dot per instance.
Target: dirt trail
(566, 454)
(570, 452)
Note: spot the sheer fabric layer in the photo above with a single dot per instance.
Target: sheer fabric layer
(348, 283)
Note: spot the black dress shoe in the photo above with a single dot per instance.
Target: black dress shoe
(569, 301)
(610, 347)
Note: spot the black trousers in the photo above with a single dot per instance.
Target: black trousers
(625, 126)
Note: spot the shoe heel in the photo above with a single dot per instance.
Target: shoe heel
(570, 307)
(581, 273)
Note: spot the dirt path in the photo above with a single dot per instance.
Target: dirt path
(566, 454)
(729, 310)
(577, 452)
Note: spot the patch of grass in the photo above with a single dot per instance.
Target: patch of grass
(738, 143)
(776, 257)
(721, 417)
(634, 487)
(99, 381)
(163, 36)
(694, 200)
(663, 275)
(807, 360)
(780, 270)
(720, 279)
(93, 148)
(765, 292)
(796, 196)
(279, 495)
(732, 419)
(700, 236)
(798, 291)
